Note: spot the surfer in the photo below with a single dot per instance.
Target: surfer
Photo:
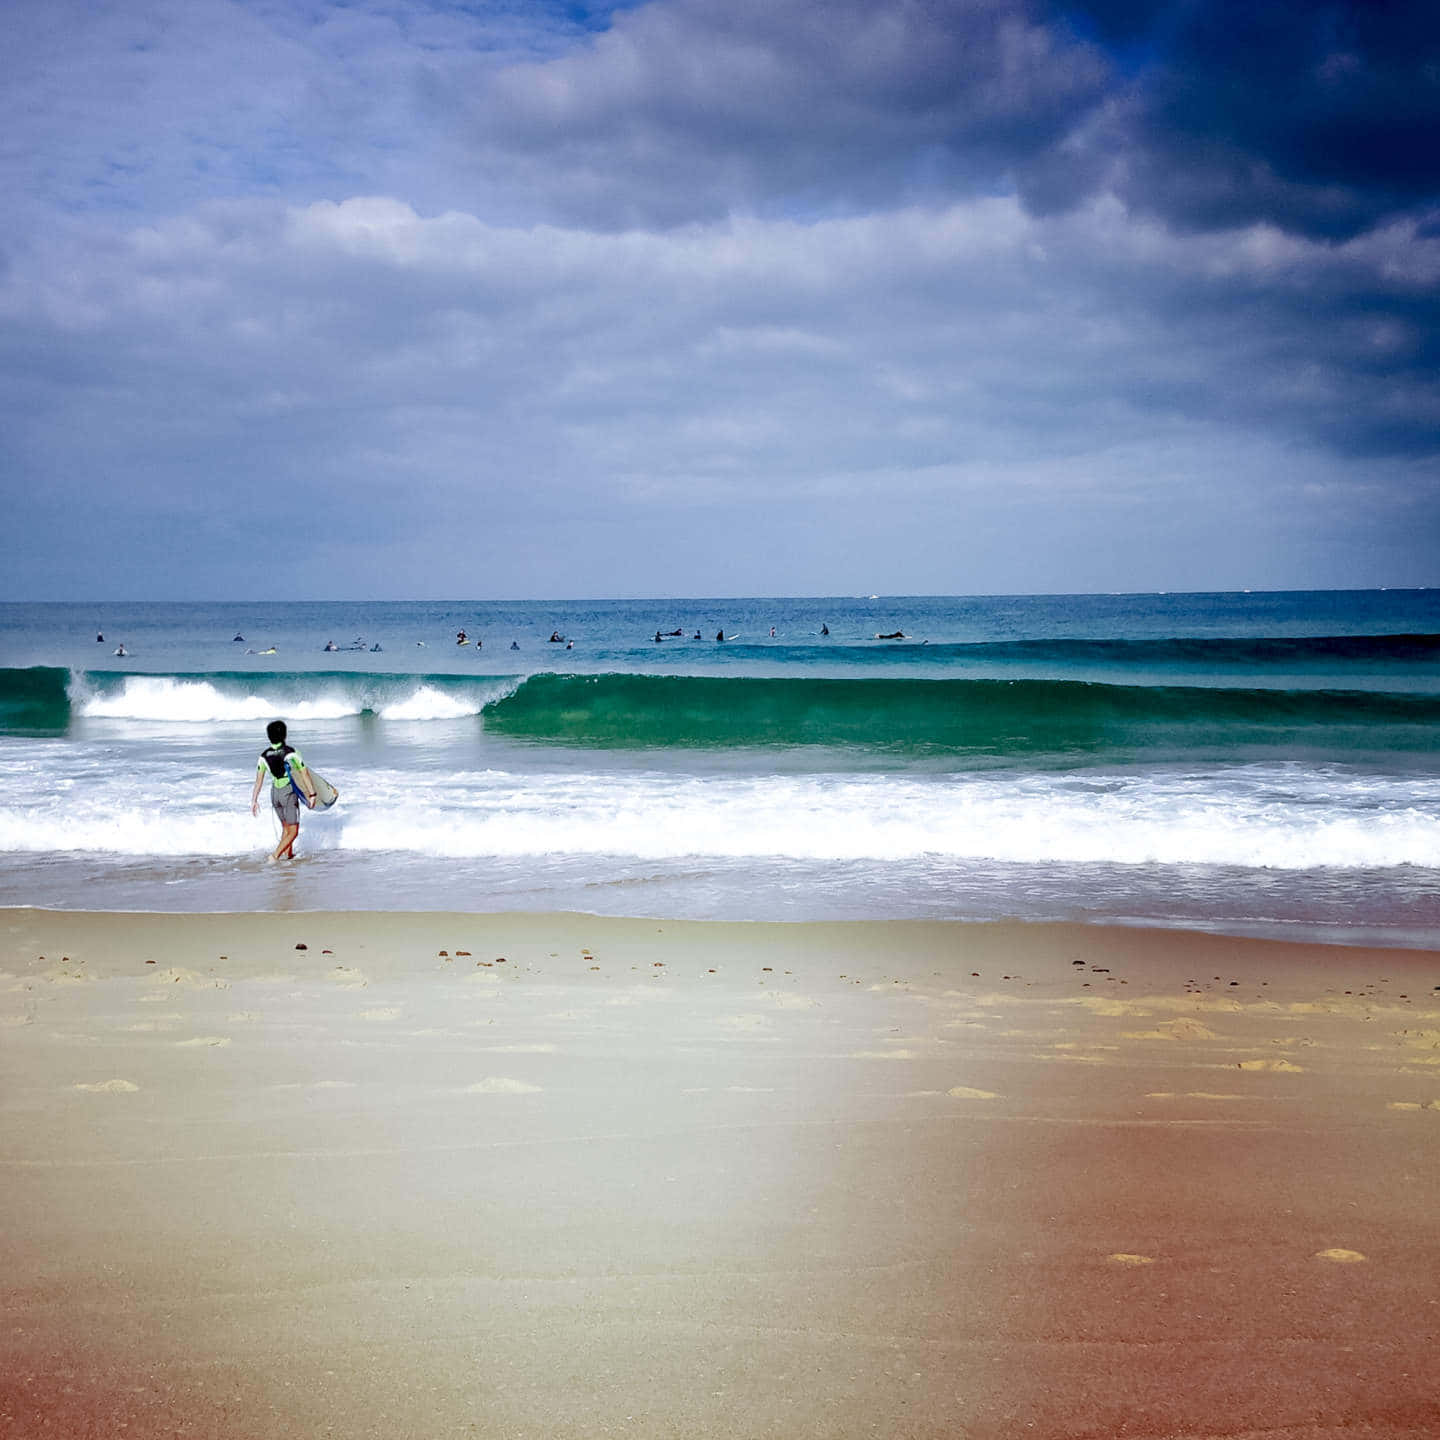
(461, 638)
(238, 637)
(100, 638)
(824, 629)
(720, 635)
(331, 645)
(893, 635)
(286, 769)
(121, 650)
(554, 638)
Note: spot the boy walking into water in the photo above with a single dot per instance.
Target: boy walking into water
(289, 779)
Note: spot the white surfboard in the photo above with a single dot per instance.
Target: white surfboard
(325, 793)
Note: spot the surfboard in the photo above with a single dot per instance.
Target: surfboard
(325, 793)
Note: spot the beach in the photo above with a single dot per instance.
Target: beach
(555, 1175)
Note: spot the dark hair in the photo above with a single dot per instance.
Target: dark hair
(276, 731)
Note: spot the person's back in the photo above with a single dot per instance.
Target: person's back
(285, 768)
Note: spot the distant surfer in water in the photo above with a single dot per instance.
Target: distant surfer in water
(894, 635)
(289, 779)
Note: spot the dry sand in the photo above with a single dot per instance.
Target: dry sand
(652, 1179)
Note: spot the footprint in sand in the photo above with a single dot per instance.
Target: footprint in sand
(187, 979)
(1183, 1028)
(1340, 1257)
(345, 977)
(1124, 1259)
(499, 1085)
(968, 1092)
(1193, 1095)
(108, 1087)
(1277, 1066)
(215, 1042)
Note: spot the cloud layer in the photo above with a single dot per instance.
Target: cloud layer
(704, 297)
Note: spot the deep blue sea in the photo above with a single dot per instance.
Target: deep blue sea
(1246, 763)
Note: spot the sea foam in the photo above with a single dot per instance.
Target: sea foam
(1261, 817)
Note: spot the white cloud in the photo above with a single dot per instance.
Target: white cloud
(972, 368)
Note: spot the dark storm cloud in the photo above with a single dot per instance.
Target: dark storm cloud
(1317, 116)
(693, 109)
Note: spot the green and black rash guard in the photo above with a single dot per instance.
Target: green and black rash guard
(274, 757)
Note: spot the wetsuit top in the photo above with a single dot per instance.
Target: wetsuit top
(279, 760)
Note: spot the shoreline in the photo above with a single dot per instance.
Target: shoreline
(579, 1176)
(1161, 950)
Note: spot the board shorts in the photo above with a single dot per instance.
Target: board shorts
(286, 800)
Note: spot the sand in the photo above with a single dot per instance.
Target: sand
(556, 1176)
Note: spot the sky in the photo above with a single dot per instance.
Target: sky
(523, 298)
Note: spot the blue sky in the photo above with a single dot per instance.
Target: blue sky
(408, 299)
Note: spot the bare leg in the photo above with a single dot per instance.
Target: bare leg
(285, 850)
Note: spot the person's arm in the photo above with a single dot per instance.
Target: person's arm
(260, 773)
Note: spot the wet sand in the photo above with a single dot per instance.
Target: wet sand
(556, 1176)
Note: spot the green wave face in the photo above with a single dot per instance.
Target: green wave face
(988, 720)
(34, 701)
(963, 717)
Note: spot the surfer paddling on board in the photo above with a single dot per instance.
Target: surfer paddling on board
(283, 766)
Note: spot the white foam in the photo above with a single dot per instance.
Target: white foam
(166, 699)
(195, 702)
(1283, 818)
(428, 703)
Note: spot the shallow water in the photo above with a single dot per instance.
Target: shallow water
(1254, 764)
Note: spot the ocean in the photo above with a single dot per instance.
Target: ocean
(1250, 764)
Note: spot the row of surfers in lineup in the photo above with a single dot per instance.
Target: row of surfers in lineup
(359, 644)
(663, 635)
(556, 638)
(461, 638)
